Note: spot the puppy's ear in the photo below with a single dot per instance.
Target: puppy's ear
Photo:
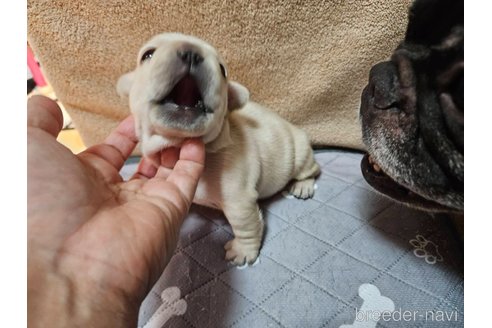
(125, 83)
(237, 95)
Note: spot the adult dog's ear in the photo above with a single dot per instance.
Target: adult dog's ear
(124, 83)
(237, 95)
(430, 21)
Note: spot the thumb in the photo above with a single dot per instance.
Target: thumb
(45, 114)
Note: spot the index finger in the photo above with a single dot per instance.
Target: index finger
(118, 146)
(188, 168)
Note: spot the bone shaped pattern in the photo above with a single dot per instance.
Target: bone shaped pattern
(316, 254)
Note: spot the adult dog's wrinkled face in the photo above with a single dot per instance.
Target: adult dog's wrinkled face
(179, 88)
(412, 112)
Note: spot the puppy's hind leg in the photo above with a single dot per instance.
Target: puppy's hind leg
(247, 224)
(303, 185)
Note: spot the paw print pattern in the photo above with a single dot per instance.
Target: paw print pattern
(172, 304)
(426, 249)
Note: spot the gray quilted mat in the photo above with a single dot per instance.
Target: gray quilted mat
(346, 258)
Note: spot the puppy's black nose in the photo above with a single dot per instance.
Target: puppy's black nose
(190, 57)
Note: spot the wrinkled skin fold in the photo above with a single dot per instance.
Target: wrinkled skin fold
(412, 112)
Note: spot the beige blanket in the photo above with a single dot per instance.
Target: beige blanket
(307, 60)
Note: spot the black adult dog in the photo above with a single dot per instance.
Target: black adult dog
(412, 112)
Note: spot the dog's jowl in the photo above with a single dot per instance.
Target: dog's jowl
(412, 112)
(180, 89)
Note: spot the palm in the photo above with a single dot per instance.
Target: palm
(84, 218)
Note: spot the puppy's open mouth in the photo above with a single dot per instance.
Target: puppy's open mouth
(186, 97)
(383, 183)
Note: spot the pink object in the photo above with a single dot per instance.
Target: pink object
(33, 65)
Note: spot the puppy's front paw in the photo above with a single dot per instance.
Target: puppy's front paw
(238, 253)
(302, 189)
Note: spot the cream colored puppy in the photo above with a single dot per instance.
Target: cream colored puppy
(178, 90)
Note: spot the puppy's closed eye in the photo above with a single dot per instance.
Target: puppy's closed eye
(147, 55)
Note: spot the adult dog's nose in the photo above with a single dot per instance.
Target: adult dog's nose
(190, 57)
(384, 86)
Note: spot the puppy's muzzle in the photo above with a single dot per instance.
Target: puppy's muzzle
(186, 94)
(190, 57)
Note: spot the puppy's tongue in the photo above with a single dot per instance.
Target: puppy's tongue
(186, 92)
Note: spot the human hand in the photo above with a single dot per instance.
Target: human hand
(97, 244)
